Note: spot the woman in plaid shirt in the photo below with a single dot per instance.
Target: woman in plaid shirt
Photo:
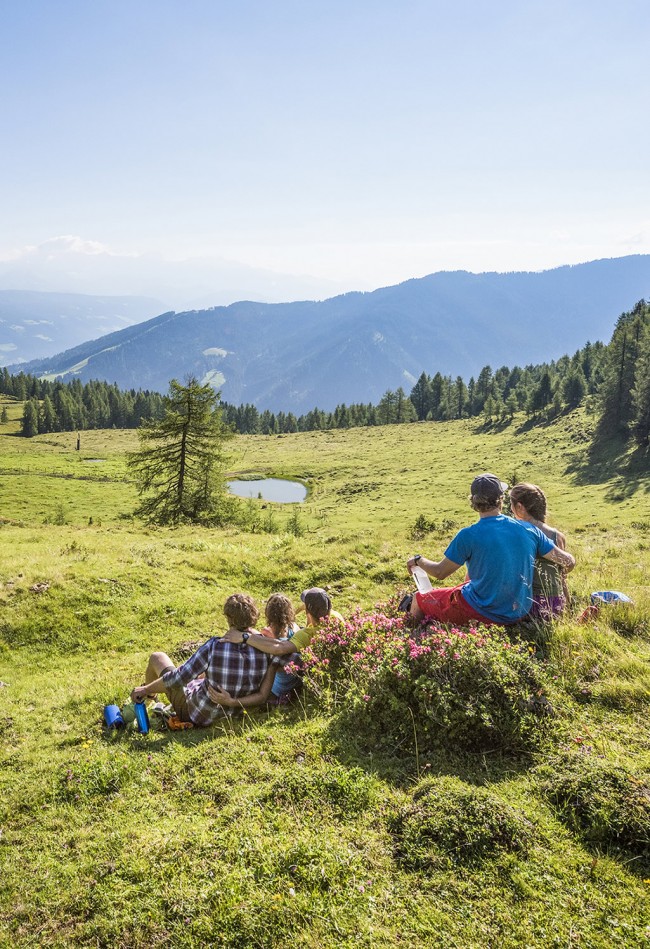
(235, 667)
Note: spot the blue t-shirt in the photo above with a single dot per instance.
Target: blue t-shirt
(500, 555)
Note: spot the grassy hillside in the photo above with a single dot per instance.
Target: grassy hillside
(284, 828)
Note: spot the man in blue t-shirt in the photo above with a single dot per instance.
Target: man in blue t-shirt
(499, 553)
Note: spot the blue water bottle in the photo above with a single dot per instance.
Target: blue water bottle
(141, 717)
(113, 716)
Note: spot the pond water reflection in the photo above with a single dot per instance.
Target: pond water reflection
(270, 489)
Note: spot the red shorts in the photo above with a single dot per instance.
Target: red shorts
(448, 605)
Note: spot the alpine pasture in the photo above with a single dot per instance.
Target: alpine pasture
(277, 829)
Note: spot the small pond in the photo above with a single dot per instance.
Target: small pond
(270, 489)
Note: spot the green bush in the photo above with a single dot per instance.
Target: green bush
(449, 820)
(605, 802)
(467, 689)
(423, 525)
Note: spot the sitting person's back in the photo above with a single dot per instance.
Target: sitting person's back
(499, 553)
(217, 665)
(282, 626)
(499, 556)
(318, 607)
(550, 591)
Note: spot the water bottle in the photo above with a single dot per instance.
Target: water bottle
(113, 716)
(142, 717)
(422, 581)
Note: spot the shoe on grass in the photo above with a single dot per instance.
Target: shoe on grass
(404, 604)
(160, 710)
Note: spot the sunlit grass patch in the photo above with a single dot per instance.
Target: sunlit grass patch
(605, 802)
(345, 791)
(448, 820)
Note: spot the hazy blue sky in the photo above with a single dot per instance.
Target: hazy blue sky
(365, 142)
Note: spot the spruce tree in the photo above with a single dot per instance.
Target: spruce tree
(47, 419)
(386, 408)
(30, 418)
(421, 396)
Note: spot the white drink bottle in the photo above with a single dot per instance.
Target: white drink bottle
(422, 581)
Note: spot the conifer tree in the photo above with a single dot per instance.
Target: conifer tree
(404, 408)
(641, 393)
(47, 418)
(618, 409)
(574, 387)
(30, 418)
(178, 466)
(421, 396)
(386, 408)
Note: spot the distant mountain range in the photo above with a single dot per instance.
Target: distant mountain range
(35, 325)
(351, 348)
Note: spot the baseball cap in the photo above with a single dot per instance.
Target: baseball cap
(488, 486)
(317, 602)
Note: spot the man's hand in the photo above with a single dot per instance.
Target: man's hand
(232, 636)
(221, 697)
(139, 693)
(440, 569)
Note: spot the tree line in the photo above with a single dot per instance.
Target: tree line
(55, 406)
(615, 376)
(625, 390)
(495, 394)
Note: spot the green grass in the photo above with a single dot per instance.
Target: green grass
(273, 830)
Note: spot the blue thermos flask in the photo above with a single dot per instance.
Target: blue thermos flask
(142, 717)
(113, 716)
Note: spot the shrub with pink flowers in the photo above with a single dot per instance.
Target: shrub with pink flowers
(465, 689)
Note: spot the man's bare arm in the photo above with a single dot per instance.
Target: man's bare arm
(272, 647)
(140, 693)
(440, 569)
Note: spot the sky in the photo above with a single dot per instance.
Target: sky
(355, 143)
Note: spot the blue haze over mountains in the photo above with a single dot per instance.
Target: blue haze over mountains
(34, 325)
(351, 348)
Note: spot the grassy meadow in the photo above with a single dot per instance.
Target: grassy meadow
(275, 830)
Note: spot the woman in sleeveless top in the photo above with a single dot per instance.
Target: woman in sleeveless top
(550, 593)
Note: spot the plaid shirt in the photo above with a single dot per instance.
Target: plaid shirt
(235, 667)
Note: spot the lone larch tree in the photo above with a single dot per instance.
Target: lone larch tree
(179, 466)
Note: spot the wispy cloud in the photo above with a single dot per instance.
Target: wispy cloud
(56, 246)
